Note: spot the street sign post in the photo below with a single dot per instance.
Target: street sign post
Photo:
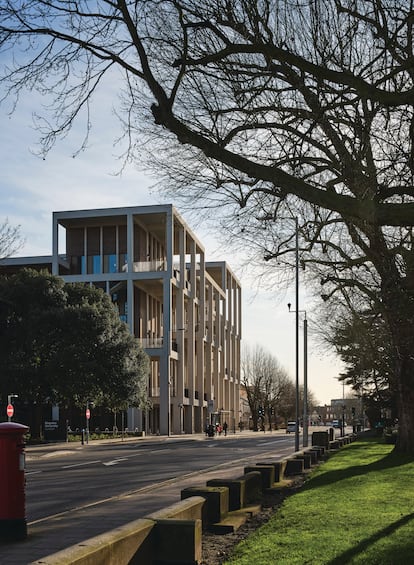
(10, 407)
(88, 415)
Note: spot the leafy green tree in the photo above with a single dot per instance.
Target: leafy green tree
(65, 344)
(268, 111)
(363, 344)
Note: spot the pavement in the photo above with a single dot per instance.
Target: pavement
(54, 533)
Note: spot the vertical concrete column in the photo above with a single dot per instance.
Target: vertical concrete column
(165, 401)
(85, 249)
(209, 387)
(232, 340)
(199, 336)
(216, 352)
(191, 354)
(178, 424)
(130, 243)
(129, 274)
(55, 246)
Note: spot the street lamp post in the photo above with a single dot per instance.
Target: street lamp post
(305, 383)
(305, 377)
(305, 338)
(297, 332)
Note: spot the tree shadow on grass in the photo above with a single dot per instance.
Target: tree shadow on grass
(347, 556)
(391, 460)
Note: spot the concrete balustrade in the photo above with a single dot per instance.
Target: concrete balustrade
(127, 544)
(171, 535)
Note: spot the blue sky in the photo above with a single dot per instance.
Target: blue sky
(32, 188)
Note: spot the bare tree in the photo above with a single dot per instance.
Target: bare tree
(267, 385)
(277, 109)
(10, 239)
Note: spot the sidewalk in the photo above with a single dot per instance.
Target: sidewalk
(46, 536)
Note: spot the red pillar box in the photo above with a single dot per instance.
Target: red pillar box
(13, 525)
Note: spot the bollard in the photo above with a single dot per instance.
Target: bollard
(13, 525)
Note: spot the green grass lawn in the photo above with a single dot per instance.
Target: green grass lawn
(357, 507)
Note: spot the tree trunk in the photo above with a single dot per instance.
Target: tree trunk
(405, 403)
(400, 313)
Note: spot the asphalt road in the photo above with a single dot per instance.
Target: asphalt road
(77, 492)
(74, 477)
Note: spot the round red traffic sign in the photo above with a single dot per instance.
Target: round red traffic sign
(88, 413)
(10, 410)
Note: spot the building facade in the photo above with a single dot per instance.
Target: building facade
(185, 311)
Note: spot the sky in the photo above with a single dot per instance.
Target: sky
(33, 188)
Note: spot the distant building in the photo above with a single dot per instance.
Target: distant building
(339, 409)
(185, 311)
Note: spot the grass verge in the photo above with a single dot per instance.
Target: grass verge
(356, 508)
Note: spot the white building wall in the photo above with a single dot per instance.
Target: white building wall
(199, 335)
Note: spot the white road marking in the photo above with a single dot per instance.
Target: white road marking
(79, 464)
(115, 461)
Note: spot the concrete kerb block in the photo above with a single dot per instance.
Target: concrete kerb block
(267, 473)
(319, 450)
(216, 505)
(321, 439)
(307, 459)
(128, 544)
(314, 455)
(294, 466)
(177, 533)
(279, 467)
(253, 487)
(237, 488)
(177, 541)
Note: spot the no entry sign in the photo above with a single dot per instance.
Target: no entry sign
(10, 410)
(88, 413)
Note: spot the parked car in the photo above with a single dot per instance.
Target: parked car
(291, 427)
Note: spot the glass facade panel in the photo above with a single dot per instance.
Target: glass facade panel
(94, 264)
(97, 264)
(110, 264)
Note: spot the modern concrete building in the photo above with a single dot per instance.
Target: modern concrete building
(185, 311)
